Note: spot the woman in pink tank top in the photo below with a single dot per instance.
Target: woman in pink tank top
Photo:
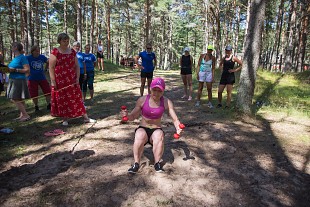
(151, 107)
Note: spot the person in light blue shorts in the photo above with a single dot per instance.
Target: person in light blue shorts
(90, 62)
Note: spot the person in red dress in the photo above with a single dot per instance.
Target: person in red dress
(66, 95)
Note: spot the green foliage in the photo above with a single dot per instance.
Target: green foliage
(289, 92)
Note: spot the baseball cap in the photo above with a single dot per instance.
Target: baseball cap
(228, 47)
(158, 83)
(76, 43)
(210, 47)
(187, 49)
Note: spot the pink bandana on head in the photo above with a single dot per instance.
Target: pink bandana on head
(158, 83)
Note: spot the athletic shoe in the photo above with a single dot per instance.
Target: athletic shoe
(134, 168)
(219, 105)
(183, 97)
(92, 121)
(189, 98)
(210, 105)
(36, 108)
(65, 123)
(158, 167)
(197, 103)
(48, 107)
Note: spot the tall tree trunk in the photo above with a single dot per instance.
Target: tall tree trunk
(281, 14)
(303, 36)
(78, 22)
(251, 56)
(147, 9)
(289, 37)
(65, 16)
(47, 27)
(92, 25)
(108, 26)
(37, 24)
(12, 20)
(206, 25)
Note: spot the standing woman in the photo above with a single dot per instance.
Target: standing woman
(205, 73)
(80, 57)
(90, 62)
(17, 89)
(64, 71)
(186, 62)
(228, 75)
(37, 77)
(100, 56)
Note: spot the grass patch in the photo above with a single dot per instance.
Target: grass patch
(283, 92)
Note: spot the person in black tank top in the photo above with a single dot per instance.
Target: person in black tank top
(228, 75)
(186, 62)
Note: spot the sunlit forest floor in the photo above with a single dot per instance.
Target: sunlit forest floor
(222, 158)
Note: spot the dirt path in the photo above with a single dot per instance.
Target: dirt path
(217, 162)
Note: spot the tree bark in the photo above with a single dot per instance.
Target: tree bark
(251, 56)
(47, 27)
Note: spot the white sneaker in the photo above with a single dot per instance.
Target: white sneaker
(65, 123)
(210, 105)
(197, 103)
(189, 98)
(90, 121)
(183, 97)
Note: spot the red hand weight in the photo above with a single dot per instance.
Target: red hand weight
(176, 135)
(125, 118)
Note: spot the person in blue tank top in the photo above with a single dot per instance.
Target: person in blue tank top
(37, 77)
(80, 56)
(227, 65)
(147, 67)
(90, 63)
(17, 89)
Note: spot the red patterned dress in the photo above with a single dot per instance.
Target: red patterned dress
(67, 100)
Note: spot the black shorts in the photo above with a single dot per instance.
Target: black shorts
(186, 71)
(100, 55)
(149, 133)
(148, 75)
(227, 79)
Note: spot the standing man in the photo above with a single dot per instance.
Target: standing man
(147, 67)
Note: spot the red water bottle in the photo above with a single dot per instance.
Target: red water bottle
(176, 135)
(124, 118)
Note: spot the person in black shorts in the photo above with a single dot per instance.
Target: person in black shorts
(147, 67)
(186, 62)
(228, 75)
(100, 56)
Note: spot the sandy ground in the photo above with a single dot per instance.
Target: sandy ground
(216, 162)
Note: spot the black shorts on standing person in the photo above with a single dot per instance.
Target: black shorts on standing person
(228, 78)
(147, 75)
(186, 68)
(100, 55)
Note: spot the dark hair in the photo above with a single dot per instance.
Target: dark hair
(62, 36)
(33, 48)
(19, 46)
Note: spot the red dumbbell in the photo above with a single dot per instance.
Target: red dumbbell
(125, 118)
(176, 135)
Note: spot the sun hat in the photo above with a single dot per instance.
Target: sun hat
(228, 47)
(210, 47)
(187, 49)
(158, 83)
